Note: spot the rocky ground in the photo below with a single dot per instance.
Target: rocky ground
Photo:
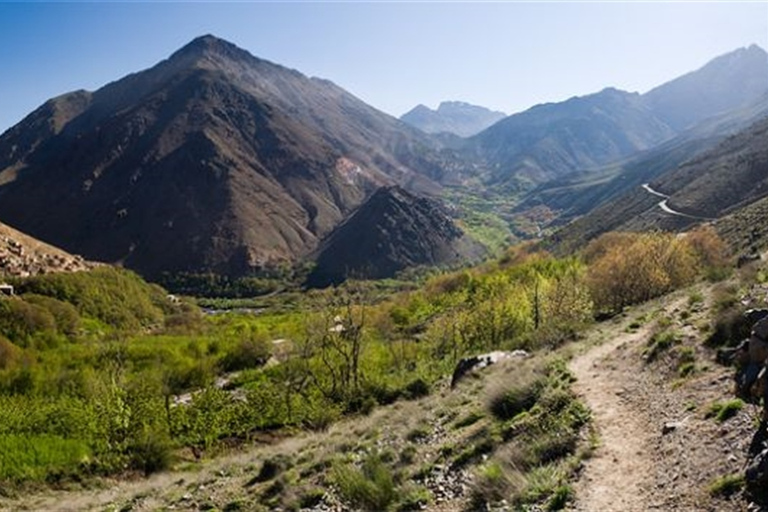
(661, 447)
(23, 256)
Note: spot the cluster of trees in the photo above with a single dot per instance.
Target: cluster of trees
(629, 268)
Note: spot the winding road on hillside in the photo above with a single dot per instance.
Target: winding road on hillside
(664, 204)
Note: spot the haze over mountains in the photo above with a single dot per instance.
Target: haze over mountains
(215, 160)
(552, 140)
(455, 117)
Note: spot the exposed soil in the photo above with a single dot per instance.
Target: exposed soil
(658, 449)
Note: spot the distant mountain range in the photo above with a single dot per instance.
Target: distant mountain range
(217, 161)
(454, 117)
(553, 140)
(718, 183)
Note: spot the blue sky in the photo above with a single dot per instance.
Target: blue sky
(393, 55)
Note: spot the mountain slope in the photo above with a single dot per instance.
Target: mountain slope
(727, 82)
(554, 140)
(213, 160)
(392, 231)
(718, 182)
(580, 192)
(22, 256)
(456, 117)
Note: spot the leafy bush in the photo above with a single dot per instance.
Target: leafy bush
(630, 268)
(118, 298)
(151, 451)
(247, 353)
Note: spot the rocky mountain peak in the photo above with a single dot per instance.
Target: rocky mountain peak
(210, 48)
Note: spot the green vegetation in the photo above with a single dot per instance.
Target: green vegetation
(723, 411)
(539, 420)
(659, 343)
(370, 487)
(727, 485)
(105, 374)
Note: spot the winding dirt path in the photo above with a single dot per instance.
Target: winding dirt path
(613, 478)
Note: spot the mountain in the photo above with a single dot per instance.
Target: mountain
(392, 231)
(727, 82)
(456, 117)
(580, 192)
(724, 181)
(585, 133)
(212, 160)
(22, 256)
(551, 140)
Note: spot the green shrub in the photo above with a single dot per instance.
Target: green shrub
(659, 342)
(65, 315)
(727, 485)
(311, 498)
(686, 369)
(723, 411)
(560, 498)
(247, 353)
(371, 487)
(20, 321)
(151, 452)
(417, 388)
(470, 419)
(493, 483)
(118, 298)
(518, 398)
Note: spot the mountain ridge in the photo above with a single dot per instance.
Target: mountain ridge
(211, 160)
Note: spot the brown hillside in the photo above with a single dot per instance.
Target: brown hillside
(211, 160)
(22, 256)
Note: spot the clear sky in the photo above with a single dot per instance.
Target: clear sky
(392, 54)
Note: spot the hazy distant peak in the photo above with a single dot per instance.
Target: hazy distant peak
(732, 80)
(457, 117)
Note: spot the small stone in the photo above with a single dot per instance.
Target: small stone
(668, 427)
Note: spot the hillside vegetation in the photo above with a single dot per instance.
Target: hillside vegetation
(103, 374)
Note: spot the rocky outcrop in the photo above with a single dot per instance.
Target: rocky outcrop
(23, 256)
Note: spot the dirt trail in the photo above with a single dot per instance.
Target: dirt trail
(613, 478)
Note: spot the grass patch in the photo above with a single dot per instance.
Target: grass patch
(686, 369)
(660, 343)
(727, 485)
(40, 457)
(370, 487)
(723, 411)
(418, 434)
(470, 419)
